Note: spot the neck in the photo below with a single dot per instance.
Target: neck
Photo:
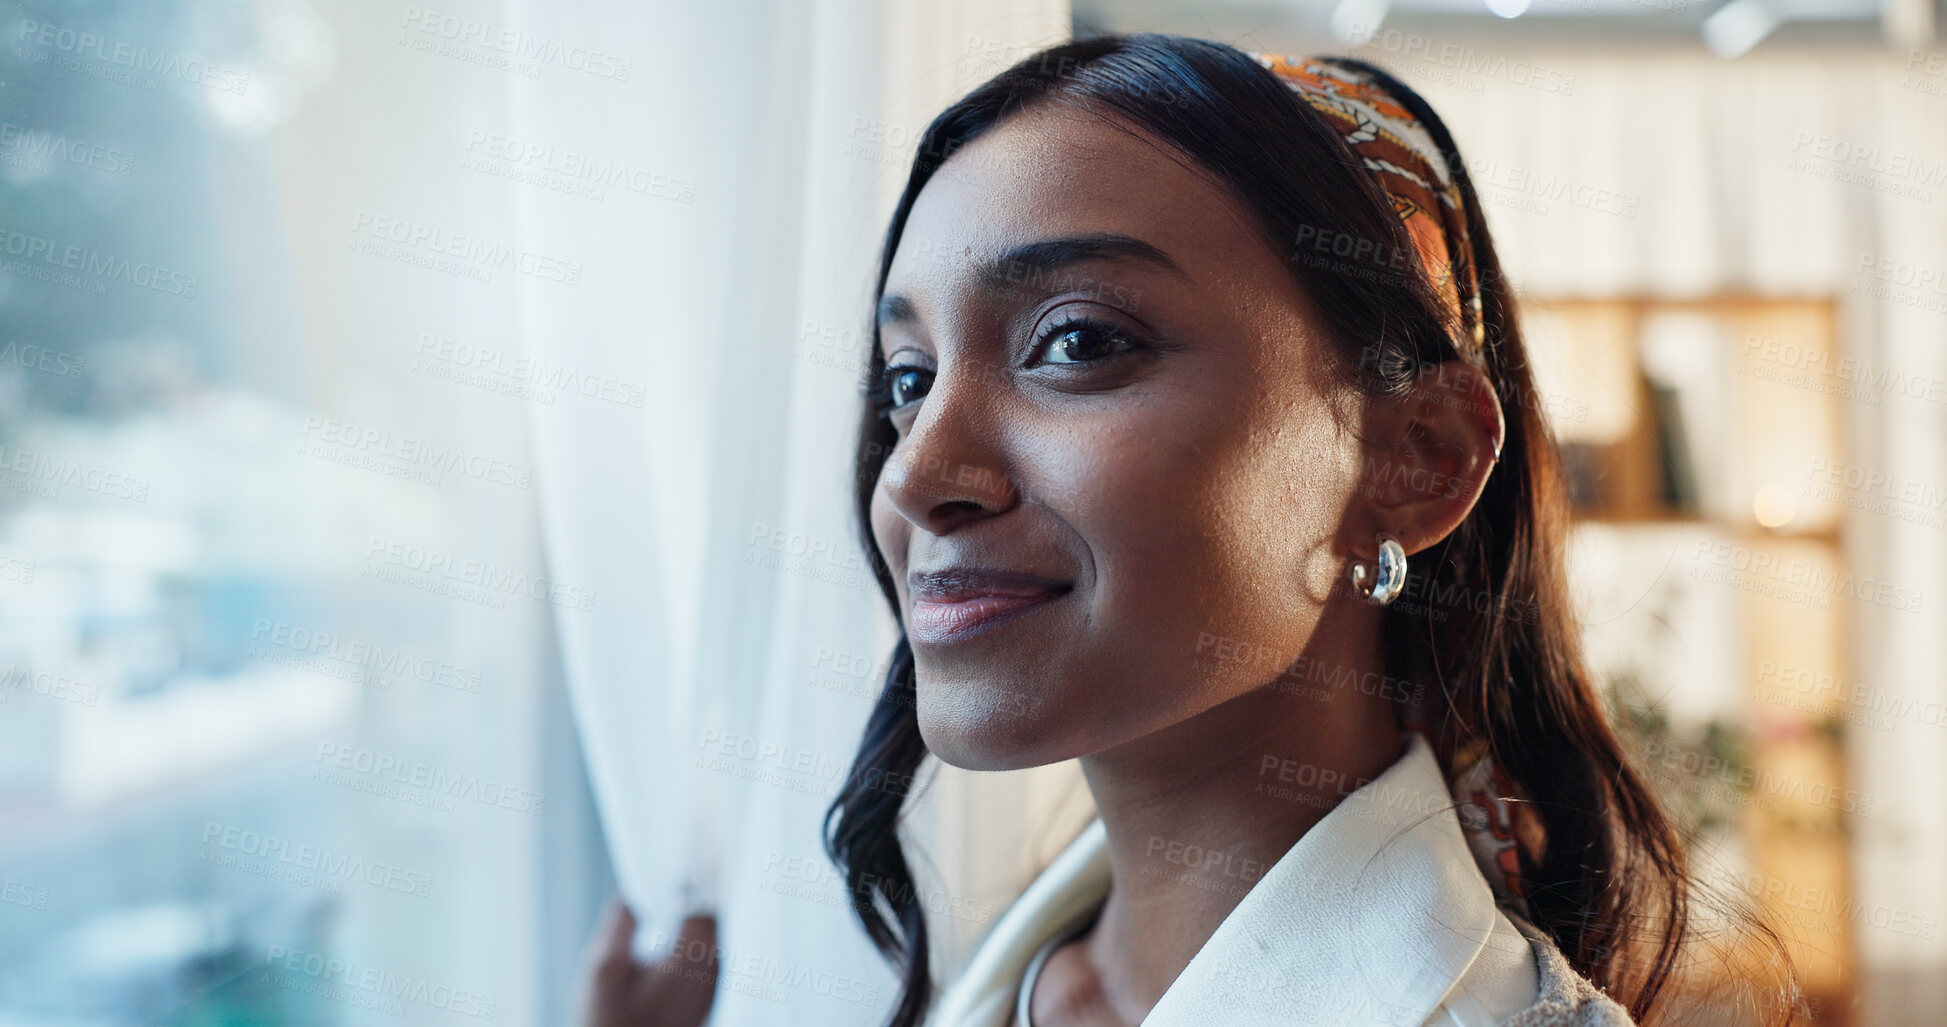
(1196, 813)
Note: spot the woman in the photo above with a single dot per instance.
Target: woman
(1201, 445)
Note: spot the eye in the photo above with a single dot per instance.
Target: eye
(1072, 340)
(900, 384)
(906, 384)
(1080, 339)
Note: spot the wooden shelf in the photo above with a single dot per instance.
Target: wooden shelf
(1709, 416)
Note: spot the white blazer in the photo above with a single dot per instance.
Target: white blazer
(1378, 915)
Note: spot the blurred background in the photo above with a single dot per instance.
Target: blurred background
(424, 451)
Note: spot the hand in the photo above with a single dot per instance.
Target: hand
(674, 991)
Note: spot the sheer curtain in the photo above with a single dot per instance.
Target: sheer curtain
(721, 682)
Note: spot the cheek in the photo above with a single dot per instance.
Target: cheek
(890, 531)
(1181, 545)
(1200, 536)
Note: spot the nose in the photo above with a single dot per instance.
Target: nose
(949, 470)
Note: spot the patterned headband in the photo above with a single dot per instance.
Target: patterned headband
(1397, 148)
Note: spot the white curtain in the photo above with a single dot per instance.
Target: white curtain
(723, 676)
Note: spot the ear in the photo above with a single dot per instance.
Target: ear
(1432, 451)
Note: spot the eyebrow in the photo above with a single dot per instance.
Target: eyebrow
(1020, 265)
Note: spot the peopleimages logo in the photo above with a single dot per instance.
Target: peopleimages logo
(40, 358)
(59, 471)
(412, 773)
(516, 44)
(435, 564)
(1464, 59)
(17, 893)
(34, 250)
(82, 44)
(417, 452)
(26, 145)
(580, 167)
(381, 983)
(316, 858)
(525, 369)
(1751, 778)
(359, 655)
(1730, 564)
(473, 257)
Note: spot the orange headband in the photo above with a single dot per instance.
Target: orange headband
(1397, 148)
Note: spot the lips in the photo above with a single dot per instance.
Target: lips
(952, 605)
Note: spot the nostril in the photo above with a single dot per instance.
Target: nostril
(955, 511)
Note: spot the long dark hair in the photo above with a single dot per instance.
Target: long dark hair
(1610, 887)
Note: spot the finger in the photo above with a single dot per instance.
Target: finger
(612, 938)
(605, 986)
(687, 990)
(621, 927)
(696, 940)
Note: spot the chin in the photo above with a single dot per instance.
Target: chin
(972, 734)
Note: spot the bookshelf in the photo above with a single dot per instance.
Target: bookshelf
(1700, 439)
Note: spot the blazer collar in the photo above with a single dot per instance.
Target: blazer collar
(1370, 918)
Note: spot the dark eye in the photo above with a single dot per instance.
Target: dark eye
(906, 384)
(900, 385)
(1079, 340)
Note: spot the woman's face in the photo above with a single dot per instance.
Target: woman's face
(1115, 421)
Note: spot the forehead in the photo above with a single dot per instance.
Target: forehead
(1057, 171)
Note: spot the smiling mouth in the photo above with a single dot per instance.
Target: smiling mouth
(941, 622)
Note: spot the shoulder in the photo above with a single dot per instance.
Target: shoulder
(1564, 997)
